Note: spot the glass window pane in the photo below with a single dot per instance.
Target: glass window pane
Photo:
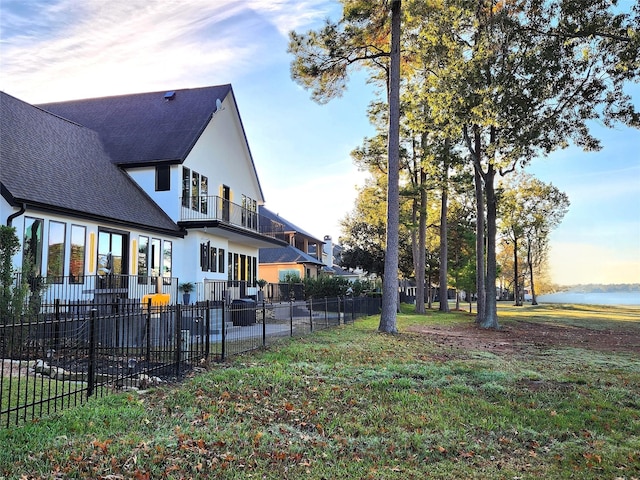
(163, 178)
(32, 246)
(111, 253)
(213, 259)
(166, 258)
(143, 258)
(155, 257)
(204, 192)
(55, 252)
(117, 250)
(77, 255)
(195, 191)
(186, 184)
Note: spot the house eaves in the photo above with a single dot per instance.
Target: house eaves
(235, 233)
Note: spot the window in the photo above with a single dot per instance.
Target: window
(77, 254)
(167, 254)
(287, 275)
(204, 192)
(255, 270)
(242, 266)
(143, 259)
(163, 178)
(155, 257)
(186, 184)
(221, 260)
(204, 256)
(236, 267)
(226, 200)
(195, 191)
(210, 259)
(32, 246)
(230, 268)
(112, 253)
(249, 212)
(213, 259)
(55, 251)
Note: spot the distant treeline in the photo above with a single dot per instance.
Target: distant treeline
(601, 288)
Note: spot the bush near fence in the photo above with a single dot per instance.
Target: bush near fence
(77, 350)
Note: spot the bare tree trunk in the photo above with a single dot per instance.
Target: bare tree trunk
(422, 240)
(429, 289)
(516, 283)
(444, 297)
(491, 317)
(388, 317)
(534, 300)
(480, 278)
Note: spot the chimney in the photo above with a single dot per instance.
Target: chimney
(328, 250)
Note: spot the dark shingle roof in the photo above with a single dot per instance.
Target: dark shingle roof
(288, 254)
(145, 128)
(288, 226)
(51, 163)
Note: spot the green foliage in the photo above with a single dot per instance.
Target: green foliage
(14, 295)
(9, 246)
(292, 278)
(186, 287)
(330, 286)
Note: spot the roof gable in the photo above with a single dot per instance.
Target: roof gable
(144, 128)
(288, 254)
(52, 163)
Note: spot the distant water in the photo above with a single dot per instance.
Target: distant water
(611, 298)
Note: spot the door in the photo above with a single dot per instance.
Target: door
(226, 198)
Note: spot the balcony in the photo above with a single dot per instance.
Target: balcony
(205, 211)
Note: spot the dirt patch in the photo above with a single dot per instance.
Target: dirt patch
(520, 336)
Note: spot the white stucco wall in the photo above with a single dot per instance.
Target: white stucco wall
(168, 200)
(222, 155)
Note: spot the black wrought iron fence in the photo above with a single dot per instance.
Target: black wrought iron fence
(75, 350)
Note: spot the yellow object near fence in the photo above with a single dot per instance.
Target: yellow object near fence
(157, 300)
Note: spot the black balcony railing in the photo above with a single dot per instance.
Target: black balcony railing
(214, 208)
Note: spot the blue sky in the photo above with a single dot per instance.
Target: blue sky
(62, 49)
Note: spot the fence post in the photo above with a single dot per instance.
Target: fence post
(207, 326)
(291, 316)
(264, 324)
(91, 371)
(178, 335)
(148, 333)
(223, 329)
(311, 315)
(338, 299)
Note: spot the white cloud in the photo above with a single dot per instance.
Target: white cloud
(93, 47)
(287, 15)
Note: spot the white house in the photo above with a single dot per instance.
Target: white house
(110, 194)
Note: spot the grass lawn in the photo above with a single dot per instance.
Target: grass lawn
(555, 394)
